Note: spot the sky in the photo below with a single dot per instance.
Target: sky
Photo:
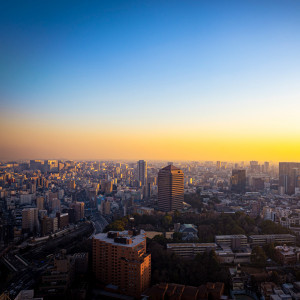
(173, 80)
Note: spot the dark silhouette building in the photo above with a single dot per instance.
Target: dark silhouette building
(238, 181)
(288, 176)
(170, 188)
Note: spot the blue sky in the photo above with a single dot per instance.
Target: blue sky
(140, 63)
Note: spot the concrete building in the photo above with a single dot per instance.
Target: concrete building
(287, 255)
(62, 220)
(188, 250)
(40, 203)
(281, 239)
(289, 173)
(120, 258)
(78, 209)
(170, 189)
(30, 221)
(236, 241)
(238, 181)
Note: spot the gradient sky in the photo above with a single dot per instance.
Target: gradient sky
(194, 80)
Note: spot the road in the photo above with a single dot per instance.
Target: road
(99, 222)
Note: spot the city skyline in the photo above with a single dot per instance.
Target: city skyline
(161, 81)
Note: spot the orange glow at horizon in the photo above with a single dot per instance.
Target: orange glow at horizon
(39, 140)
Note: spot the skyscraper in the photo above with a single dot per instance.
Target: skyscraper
(288, 176)
(120, 258)
(142, 172)
(238, 181)
(170, 188)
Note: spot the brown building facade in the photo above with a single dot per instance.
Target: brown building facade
(120, 258)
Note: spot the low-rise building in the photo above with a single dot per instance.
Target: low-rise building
(281, 239)
(188, 250)
(235, 241)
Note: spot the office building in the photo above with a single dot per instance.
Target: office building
(40, 203)
(30, 221)
(47, 225)
(142, 172)
(54, 204)
(189, 250)
(234, 241)
(170, 188)
(280, 239)
(79, 210)
(120, 259)
(238, 181)
(62, 220)
(288, 176)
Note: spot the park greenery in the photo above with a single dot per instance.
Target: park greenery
(208, 224)
(168, 267)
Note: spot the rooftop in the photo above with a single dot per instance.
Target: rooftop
(231, 236)
(136, 239)
(272, 235)
(195, 245)
(170, 168)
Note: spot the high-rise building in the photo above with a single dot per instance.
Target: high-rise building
(79, 210)
(47, 225)
(120, 258)
(218, 165)
(54, 204)
(30, 221)
(62, 220)
(170, 188)
(142, 172)
(238, 181)
(288, 176)
(40, 203)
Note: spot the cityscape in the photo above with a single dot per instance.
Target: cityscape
(149, 150)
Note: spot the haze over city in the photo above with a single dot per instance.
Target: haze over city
(192, 80)
(149, 150)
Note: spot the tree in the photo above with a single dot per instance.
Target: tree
(270, 251)
(258, 256)
(166, 222)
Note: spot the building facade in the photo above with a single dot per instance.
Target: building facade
(288, 176)
(170, 189)
(142, 172)
(120, 258)
(238, 181)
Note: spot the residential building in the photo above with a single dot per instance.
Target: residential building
(120, 258)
